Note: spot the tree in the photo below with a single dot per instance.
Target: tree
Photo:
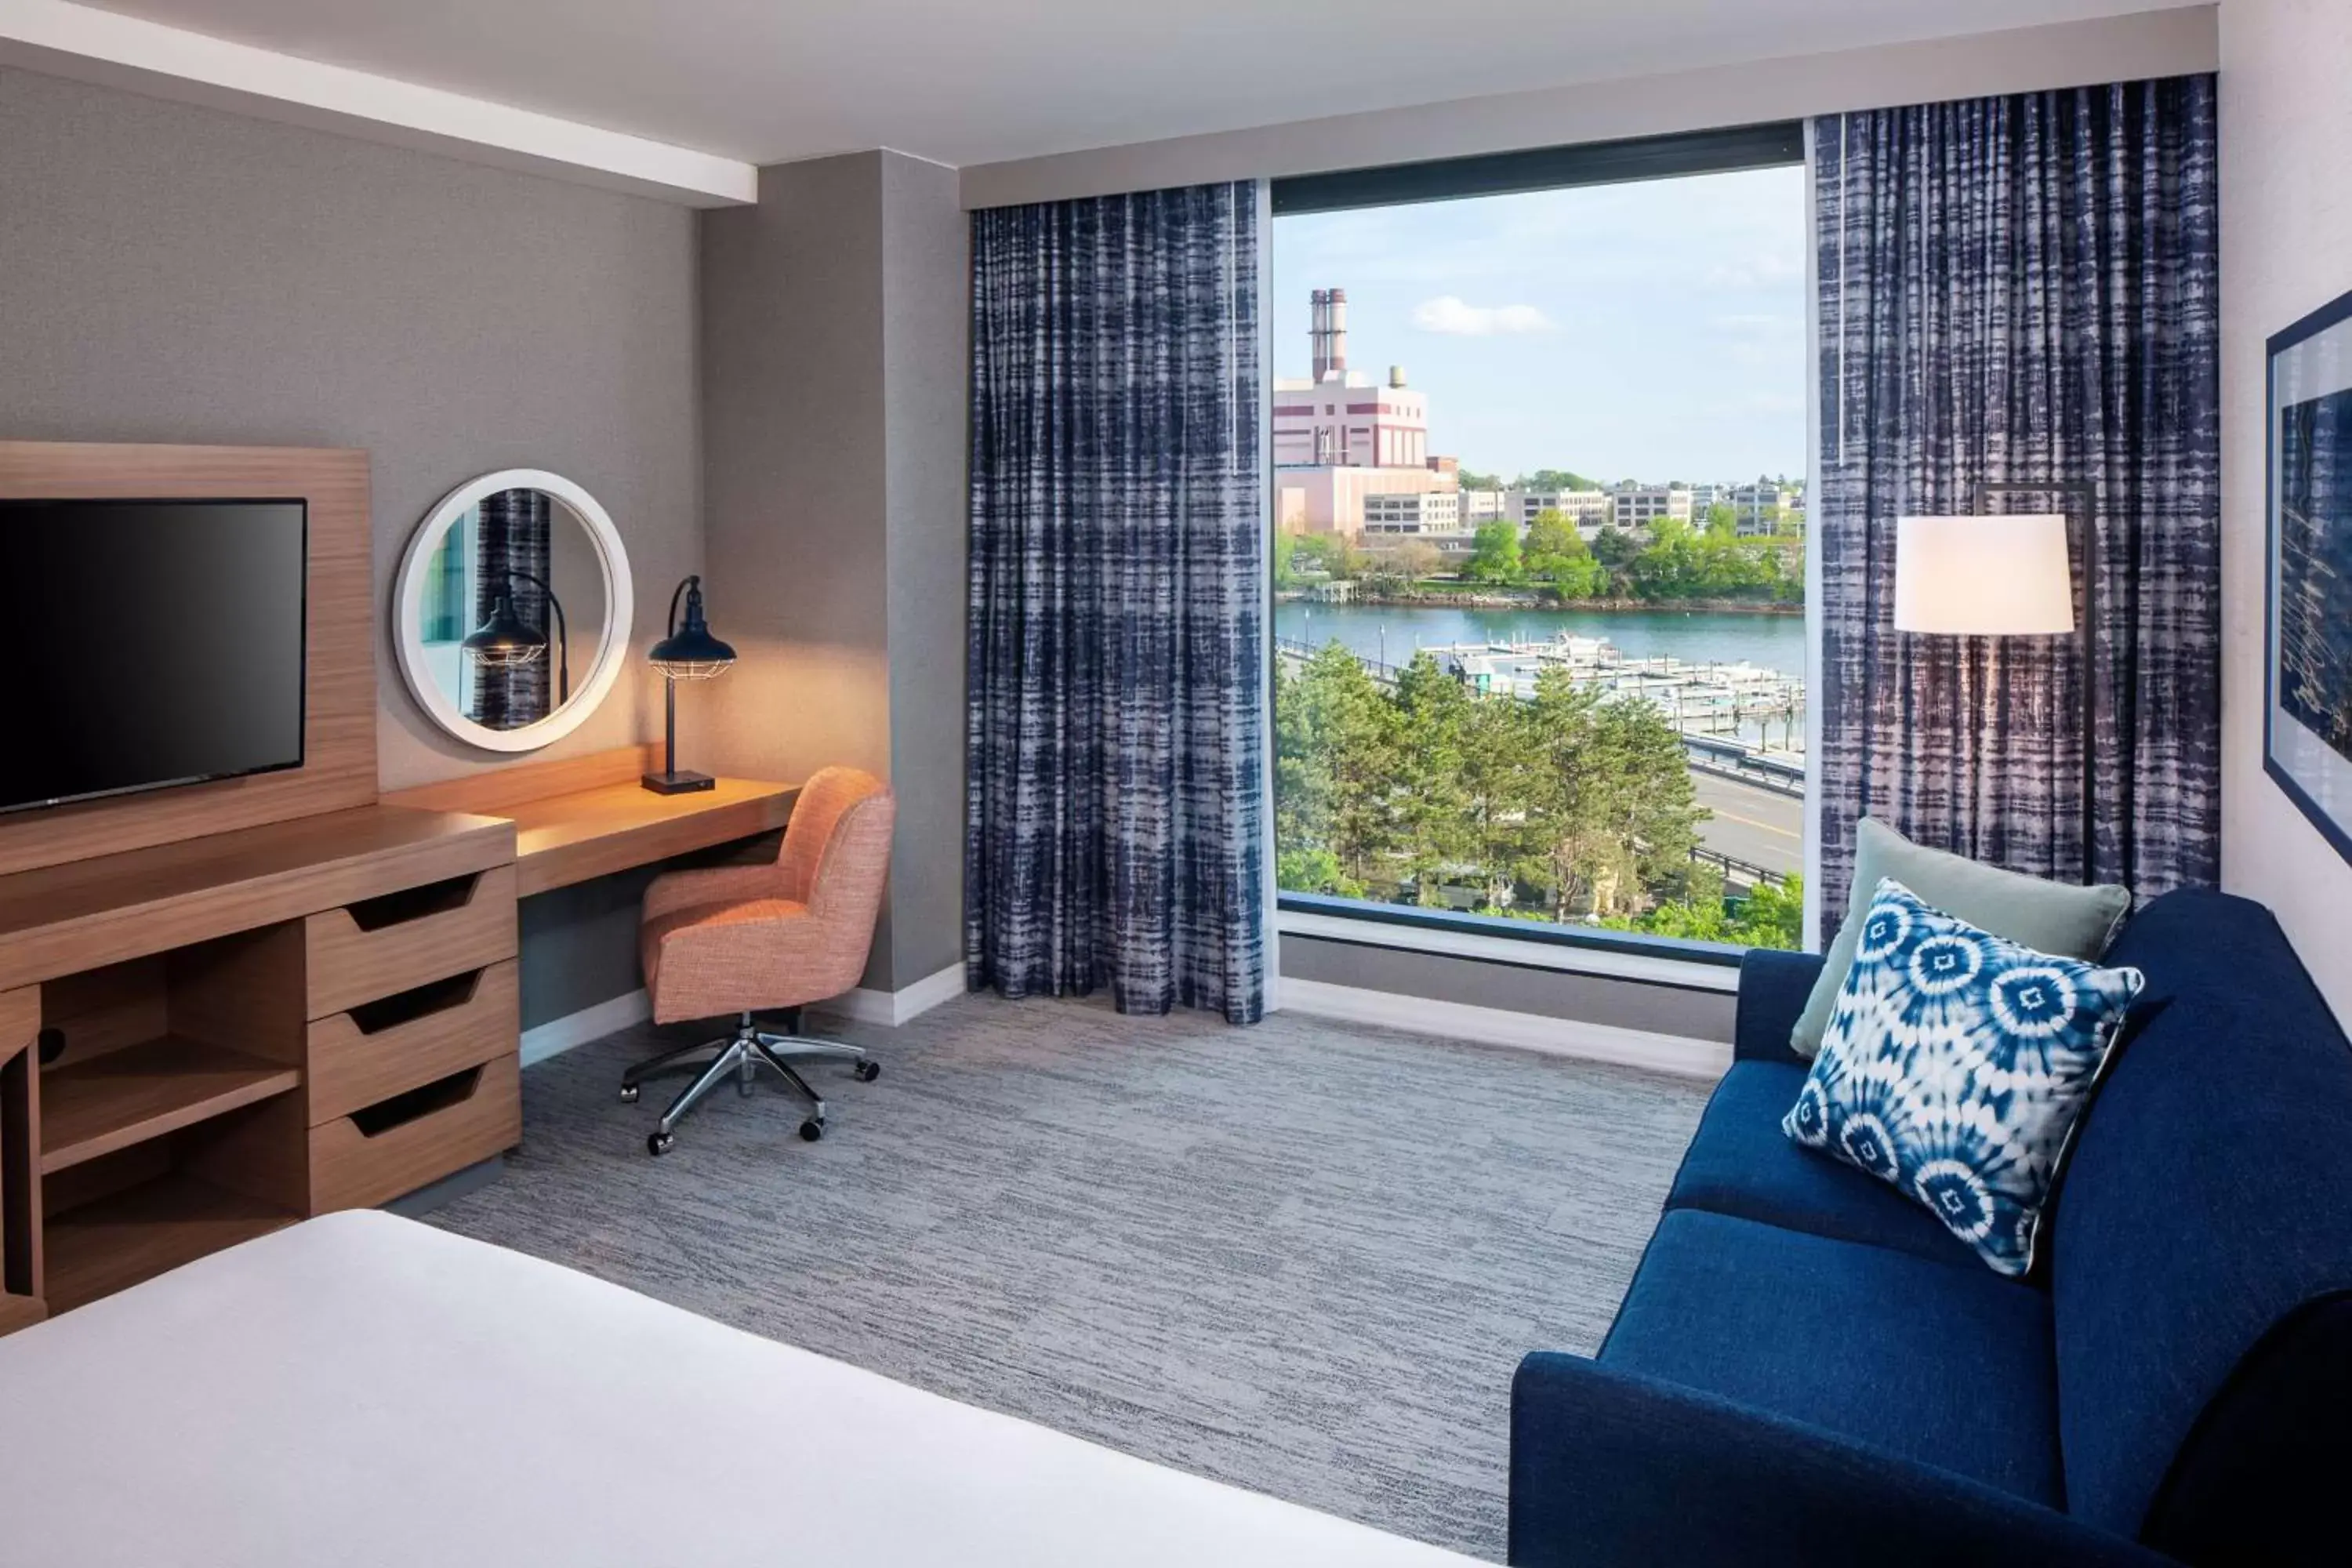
(1557, 479)
(1722, 521)
(1334, 761)
(1433, 723)
(1614, 547)
(1474, 481)
(1286, 569)
(1494, 553)
(1614, 793)
(1329, 554)
(1555, 553)
(1405, 562)
(1771, 915)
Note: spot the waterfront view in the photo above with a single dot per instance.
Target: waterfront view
(1514, 688)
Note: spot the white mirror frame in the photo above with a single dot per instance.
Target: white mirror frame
(408, 602)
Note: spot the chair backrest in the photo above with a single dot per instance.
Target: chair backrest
(836, 850)
(2201, 1252)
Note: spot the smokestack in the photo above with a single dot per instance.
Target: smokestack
(1326, 332)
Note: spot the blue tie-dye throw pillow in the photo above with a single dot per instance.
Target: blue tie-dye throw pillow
(1954, 1066)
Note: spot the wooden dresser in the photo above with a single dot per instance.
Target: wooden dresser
(244, 1029)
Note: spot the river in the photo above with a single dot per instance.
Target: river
(1769, 642)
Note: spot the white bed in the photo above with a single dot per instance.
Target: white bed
(362, 1390)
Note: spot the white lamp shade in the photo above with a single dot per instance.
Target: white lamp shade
(2002, 576)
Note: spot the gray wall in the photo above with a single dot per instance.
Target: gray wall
(925, 345)
(1515, 988)
(170, 273)
(833, 366)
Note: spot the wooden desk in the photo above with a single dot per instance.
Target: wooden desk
(588, 816)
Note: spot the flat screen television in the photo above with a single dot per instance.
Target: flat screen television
(148, 643)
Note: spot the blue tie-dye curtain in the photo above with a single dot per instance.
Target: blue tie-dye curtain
(1116, 796)
(2023, 290)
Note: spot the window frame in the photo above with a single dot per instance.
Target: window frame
(1724, 150)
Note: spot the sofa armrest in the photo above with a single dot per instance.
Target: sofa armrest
(1609, 1468)
(1773, 988)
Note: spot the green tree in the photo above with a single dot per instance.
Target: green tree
(1334, 763)
(1555, 553)
(1722, 521)
(1469, 480)
(1494, 553)
(1771, 915)
(1619, 813)
(1286, 568)
(1557, 479)
(1430, 803)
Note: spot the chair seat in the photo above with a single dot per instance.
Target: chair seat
(1889, 1350)
(1741, 1163)
(745, 956)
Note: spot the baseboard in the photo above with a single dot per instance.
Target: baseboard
(1677, 1054)
(895, 1007)
(560, 1035)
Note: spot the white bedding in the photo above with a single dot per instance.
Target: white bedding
(364, 1390)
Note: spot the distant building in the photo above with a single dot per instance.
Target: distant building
(1637, 506)
(1341, 440)
(1588, 510)
(1411, 511)
(1483, 506)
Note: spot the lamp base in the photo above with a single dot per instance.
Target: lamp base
(677, 783)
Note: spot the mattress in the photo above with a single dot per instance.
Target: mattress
(361, 1390)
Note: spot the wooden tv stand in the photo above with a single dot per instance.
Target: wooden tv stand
(244, 1029)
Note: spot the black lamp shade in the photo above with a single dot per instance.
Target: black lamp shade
(691, 652)
(504, 638)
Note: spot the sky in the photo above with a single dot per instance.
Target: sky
(1652, 331)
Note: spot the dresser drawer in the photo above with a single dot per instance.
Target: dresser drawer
(399, 1144)
(377, 1050)
(371, 950)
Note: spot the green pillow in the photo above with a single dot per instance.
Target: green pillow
(2048, 917)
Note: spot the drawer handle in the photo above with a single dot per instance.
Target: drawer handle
(413, 903)
(418, 1103)
(418, 1001)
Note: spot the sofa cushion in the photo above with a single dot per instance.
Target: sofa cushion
(2049, 916)
(1944, 1366)
(1741, 1163)
(1954, 1067)
(2198, 1236)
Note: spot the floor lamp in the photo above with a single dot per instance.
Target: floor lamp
(2007, 574)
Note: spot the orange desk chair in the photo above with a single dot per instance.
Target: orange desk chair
(737, 938)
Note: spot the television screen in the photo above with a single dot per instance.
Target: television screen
(146, 643)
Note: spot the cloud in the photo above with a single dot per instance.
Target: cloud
(1450, 314)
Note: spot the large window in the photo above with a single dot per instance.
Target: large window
(1539, 500)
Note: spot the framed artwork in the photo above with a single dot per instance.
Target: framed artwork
(2307, 671)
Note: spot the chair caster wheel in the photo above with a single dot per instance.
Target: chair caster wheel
(628, 1094)
(812, 1129)
(868, 1070)
(658, 1144)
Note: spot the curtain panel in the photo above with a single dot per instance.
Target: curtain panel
(2023, 290)
(1115, 798)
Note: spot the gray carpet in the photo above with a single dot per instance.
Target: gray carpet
(1303, 1259)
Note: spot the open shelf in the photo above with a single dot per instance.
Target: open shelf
(114, 1242)
(142, 1091)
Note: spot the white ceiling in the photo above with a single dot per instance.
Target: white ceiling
(963, 83)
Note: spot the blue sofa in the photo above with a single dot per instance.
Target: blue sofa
(1808, 1368)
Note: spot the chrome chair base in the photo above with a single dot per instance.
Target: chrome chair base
(742, 1055)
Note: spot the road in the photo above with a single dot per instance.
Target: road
(1762, 827)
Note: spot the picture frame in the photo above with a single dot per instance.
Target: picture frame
(2307, 569)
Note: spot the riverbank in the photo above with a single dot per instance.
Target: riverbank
(1528, 599)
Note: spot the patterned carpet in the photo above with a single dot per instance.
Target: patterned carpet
(1302, 1257)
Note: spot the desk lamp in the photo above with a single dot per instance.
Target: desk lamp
(688, 653)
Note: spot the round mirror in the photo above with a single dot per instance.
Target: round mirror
(512, 609)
